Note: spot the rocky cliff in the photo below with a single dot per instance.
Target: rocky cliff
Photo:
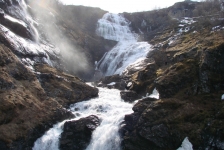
(33, 93)
(187, 70)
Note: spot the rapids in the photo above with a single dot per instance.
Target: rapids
(109, 107)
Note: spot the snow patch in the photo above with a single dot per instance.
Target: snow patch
(186, 145)
(216, 28)
(112, 83)
(187, 20)
(222, 98)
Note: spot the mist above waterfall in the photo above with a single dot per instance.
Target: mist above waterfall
(48, 17)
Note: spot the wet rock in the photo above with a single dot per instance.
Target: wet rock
(26, 109)
(115, 81)
(2, 13)
(129, 96)
(76, 134)
(18, 27)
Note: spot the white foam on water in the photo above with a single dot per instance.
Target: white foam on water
(109, 107)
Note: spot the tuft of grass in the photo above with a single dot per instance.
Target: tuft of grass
(159, 72)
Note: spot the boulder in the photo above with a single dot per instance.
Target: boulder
(114, 81)
(142, 81)
(129, 96)
(77, 134)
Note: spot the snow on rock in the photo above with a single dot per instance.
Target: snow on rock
(112, 83)
(187, 20)
(222, 98)
(186, 145)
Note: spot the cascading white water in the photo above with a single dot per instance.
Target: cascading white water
(108, 107)
(21, 12)
(30, 51)
(115, 27)
(127, 52)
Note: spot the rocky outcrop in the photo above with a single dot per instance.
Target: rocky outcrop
(76, 134)
(211, 70)
(176, 78)
(64, 88)
(190, 87)
(17, 26)
(115, 81)
(129, 96)
(28, 109)
(143, 81)
(163, 124)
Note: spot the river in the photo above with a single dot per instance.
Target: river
(109, 107)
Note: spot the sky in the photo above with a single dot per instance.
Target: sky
(119, 6)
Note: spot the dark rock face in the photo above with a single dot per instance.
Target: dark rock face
(177, 77)
(143, 80)
(16, 27)
(77, 134)
(163, 124)
(26, 109)
(66, 89)
(211, 70)
(38, 131)
(129, 96)
(115, 81)
(142, 134)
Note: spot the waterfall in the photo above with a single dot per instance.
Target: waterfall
(127, 52)
(109, 107)
(29, 50)
(20, 11)
(115, 27)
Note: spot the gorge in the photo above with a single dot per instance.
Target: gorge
(157, 77)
